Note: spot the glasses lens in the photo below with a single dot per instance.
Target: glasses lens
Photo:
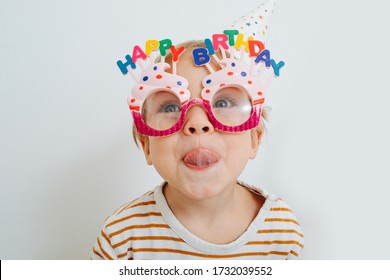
(231, 106)
(161, 110)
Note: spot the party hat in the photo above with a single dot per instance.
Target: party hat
(255, 23)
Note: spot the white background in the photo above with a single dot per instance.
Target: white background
(67, 159)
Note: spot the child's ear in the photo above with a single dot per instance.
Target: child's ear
(146, 148)
(256, 135)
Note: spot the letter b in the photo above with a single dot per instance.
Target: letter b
(201, 56)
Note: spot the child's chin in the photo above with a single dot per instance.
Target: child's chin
(202, 188)
(202, 192)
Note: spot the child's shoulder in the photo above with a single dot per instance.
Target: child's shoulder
(140, 207)
(274, 204)
(259, 191)
(278, 219)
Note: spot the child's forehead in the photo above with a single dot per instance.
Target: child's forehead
(193, 74)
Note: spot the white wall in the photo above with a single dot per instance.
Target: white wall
(66, 154)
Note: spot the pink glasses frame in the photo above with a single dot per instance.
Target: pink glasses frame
(146, 130)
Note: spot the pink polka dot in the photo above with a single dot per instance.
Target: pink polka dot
(168, 87)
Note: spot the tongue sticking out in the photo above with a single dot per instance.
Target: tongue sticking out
(201, 157)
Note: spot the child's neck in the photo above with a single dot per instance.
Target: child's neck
(220, 219)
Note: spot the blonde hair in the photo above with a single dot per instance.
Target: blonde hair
(192, 44)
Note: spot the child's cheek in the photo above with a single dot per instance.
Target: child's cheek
(162, 148)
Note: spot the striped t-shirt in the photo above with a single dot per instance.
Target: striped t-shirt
(146, 228)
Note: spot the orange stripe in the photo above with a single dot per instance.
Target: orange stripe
(106, 238)
(143, 203)
(147, 238)
(139, 204)
(145, 194)
(167, 250)
(134, 216)
(135, 108)
(294, 253)
(275, 242)
(280, 209)
(119, 209)
(97, 253)
(149, 193)
(125, 254)
(281, 220)
(280, 231)
(104, 252)
(138, 227)
(258, 101)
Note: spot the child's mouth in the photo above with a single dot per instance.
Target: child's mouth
(200, 158)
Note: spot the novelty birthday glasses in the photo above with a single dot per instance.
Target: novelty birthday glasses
(229, 109)
(233, 94)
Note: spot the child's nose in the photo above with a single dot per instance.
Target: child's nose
(197, 121)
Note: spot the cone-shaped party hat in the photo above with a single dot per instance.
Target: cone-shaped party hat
(256, 23)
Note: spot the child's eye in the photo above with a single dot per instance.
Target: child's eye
(221, 104)
(170, 108)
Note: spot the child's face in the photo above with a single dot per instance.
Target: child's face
(198, 161)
